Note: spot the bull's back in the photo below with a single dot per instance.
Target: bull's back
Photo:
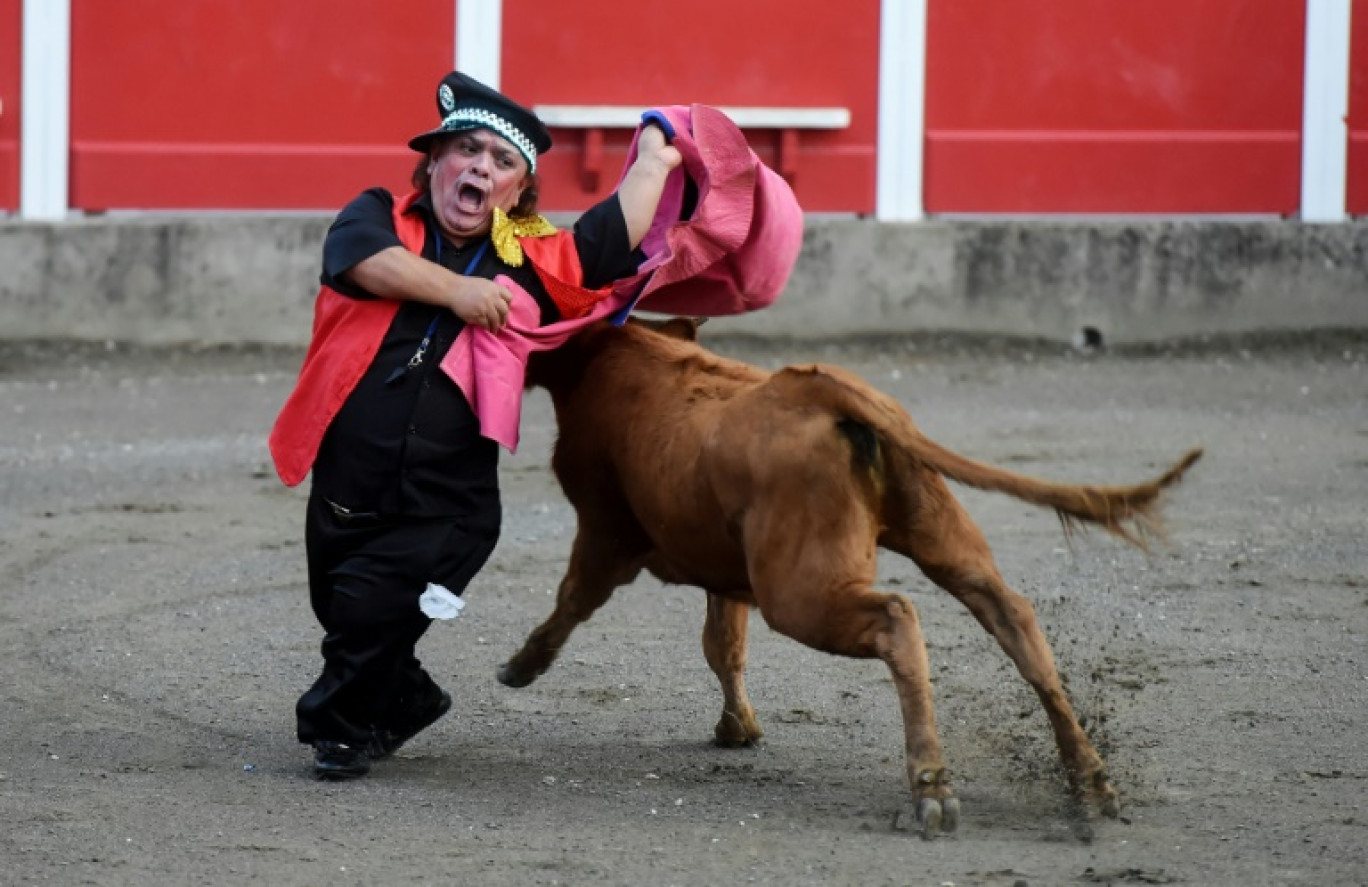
(759, 461)
(787, 444)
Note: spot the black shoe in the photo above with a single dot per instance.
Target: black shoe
(385, 741)
(337, 760)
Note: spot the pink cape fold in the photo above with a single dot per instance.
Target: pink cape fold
(732, 255)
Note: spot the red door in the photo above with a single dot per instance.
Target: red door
(11, 43)
(716, 52)
(249, 104)
(1100, 106)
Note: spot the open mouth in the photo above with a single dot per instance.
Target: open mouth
(470, 198)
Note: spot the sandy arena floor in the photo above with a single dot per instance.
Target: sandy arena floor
(155, 632)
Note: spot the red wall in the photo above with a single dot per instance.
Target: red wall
(11, 42)
(262, 104)
(1356, 198)
(719, 52)
(1048, 106)
(1096, 106)
(249, 103)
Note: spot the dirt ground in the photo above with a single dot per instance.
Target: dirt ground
(155, 633)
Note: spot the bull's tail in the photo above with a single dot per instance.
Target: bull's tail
(1130, 512)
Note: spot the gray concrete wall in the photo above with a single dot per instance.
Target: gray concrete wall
(231, 279)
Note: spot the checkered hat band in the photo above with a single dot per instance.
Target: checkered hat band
(469, 118)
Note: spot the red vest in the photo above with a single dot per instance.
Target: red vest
(347, 334)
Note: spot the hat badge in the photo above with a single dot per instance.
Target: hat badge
(446, 98)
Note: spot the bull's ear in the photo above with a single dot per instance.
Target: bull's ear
(685, 328)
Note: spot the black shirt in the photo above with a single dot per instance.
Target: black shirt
(407, 443)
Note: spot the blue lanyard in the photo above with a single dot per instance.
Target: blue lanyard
(417, 359)
(432, 327)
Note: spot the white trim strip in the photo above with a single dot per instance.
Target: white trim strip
(1325, 107)
(479, 34)
(627, 117)
(902, 104)
(46, 125)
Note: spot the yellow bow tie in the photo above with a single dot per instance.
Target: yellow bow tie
(505, 232)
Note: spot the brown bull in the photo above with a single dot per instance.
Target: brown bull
(773, 490)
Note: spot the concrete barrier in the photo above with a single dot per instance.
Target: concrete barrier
(239, 278)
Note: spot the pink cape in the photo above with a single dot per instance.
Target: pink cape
(732, 255)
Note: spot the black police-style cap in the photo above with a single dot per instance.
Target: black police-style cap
(465, 103)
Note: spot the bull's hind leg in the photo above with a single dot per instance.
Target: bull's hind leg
(724, 646)
(600, 563)
(855, 621)
(951, 550)
(819, 595)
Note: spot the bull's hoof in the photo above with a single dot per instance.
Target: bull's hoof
(929, 816)
(511, 677)
(735, 741)
(937, 817)
(1098, 792)
(733, 731)
(938, 810)
(1106, 801)
(950, 811)
(932, 817)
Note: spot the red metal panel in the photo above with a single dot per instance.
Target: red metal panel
(1356, 198)
(11, 45)
(249, 104)
(717, 52)
(1084, 106)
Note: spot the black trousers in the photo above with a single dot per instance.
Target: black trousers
(366, 574)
